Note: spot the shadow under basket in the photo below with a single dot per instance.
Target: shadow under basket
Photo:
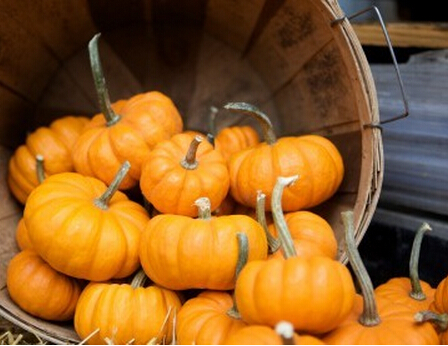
(288, 58)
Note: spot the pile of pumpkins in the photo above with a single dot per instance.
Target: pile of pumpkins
(220, 249)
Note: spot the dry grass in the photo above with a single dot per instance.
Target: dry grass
(13, 335)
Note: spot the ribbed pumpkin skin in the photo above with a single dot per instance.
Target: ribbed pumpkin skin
(264, 335)
(312, 235)
(397, 327)
(22, 237)
(314, 158)
(39, 289)
(123, 313)
(146, 119)
(78, 238)
(315, 294)
(440, 303)
(173, 189)
(54, 143)
(235, 138)
(179, 252)
(203, 320)
(398, 289)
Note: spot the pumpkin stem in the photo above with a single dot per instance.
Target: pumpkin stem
(139, 279)
(264, 121)
(189, 161)
(40, 171)
(370, 316)
(100, 83)
(417, 291)
(440, 320)
(103, 201)
(286, 331)
(204, 208)
(212, 120)
(273, 243)
(286, 241)
(243, 255)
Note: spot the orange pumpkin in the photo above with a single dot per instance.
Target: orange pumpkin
(55, 143)
(205, 319)
(410, 291)
(182, 169)
(314, 293)
(110, 139)
(84, 229)
(264, 335)
(39, 289)
(180, 252)
(118, 314)
(22, 237)
(314, 158)
(376, 320)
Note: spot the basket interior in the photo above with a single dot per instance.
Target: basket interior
(283, 56)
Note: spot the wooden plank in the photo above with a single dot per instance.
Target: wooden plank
(289, 40)
(222, 16)
(9, 206)
(15, 114)
(404, 34)
(62, 26)
(26, 65)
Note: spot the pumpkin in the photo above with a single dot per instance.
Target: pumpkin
(376, 320)
(410, 291)
(232, 139)
(22, 237)
(55, 143)
(283, 334)
(182, 169)
(122, 313)
(83, 228)
(314, 158)
(40, 290)
(439, 320)
(205, 319)
(129, 135)
(313, 293)
(180, 252)
(210, 317)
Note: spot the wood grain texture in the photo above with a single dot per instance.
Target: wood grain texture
(404, 34)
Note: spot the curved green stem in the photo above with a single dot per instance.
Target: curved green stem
(417, 291)
(264, 121)
(284, 235)
(189, 161)
(40, 171)
(139, 279)
(204, 208)
(370, 316)
(100, 83)
(243, 256)
(103, 201)
(273, 243)
(439, 320)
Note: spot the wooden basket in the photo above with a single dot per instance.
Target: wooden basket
(286, 57)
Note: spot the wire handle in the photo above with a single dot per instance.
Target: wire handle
(391, 50)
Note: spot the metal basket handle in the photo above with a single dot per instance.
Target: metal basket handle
(391, 50)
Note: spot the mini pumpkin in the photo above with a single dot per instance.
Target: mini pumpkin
(410, 291)
(313, 293)
(182, 169)
(83, 228)
(122, 313)
(110, 138)
(54, 142)
(376, 320)
(180, 252)
(39, 289)
(314, 158)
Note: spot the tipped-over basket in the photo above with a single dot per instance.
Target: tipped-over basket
(287, 57)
